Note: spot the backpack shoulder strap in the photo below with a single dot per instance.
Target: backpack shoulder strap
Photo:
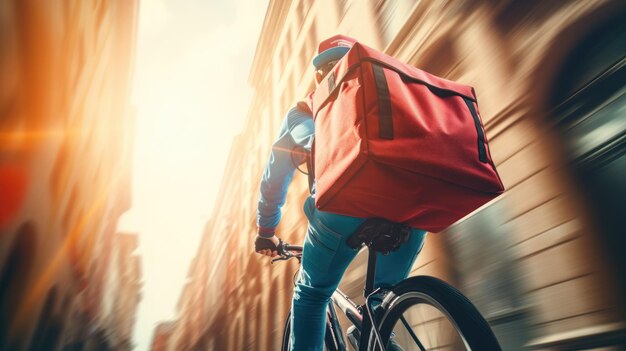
(310, 168)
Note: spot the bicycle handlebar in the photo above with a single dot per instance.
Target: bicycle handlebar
(296, 248)
(284, 250)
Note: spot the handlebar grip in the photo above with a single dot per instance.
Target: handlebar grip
(285, 252)
(288, 247)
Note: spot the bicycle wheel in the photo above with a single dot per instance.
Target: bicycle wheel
(330, 343)
(425, 313)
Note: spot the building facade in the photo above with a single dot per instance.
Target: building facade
(192, 303)
(66, 131)
(162, 333)
(543, 262)
(122, 292)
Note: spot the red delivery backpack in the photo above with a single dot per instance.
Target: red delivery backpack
(395, 142)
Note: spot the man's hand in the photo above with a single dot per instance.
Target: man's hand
(267, 246)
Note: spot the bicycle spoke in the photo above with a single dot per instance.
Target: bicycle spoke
(408, 328)
(423, 327)
(422, 310)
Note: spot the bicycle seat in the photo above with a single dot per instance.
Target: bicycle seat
(380, 235)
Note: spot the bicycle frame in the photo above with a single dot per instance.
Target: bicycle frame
(360, 316)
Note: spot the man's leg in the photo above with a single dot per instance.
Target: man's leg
(325, 258)
(396, 266)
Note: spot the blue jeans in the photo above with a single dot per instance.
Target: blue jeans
(325, 257)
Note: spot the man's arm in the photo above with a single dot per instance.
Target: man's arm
(296, 132)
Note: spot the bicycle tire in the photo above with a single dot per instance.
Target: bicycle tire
(330, 343)
(460, 312)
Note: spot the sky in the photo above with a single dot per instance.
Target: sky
(193, 58)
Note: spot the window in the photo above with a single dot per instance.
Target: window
(308, 49)
(299, 13)
(392, 15)
(440, 59)
(342, 9)
(306, 5)
(70, 209)
(15, 274)
(60, 171)
(590, 118)
(285, 52)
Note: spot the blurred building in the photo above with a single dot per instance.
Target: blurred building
(162, 333)
(66, 131)
(544, 262)
(122, 292)
(192, 303)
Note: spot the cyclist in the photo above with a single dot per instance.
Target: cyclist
(326, 254)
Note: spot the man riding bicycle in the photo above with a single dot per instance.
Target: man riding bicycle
(326, 255)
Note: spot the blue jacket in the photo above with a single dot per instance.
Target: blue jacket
(295, 138)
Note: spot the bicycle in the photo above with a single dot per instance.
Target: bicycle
(439, 316)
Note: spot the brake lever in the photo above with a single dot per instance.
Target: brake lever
(282, 258)
(284, 254)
